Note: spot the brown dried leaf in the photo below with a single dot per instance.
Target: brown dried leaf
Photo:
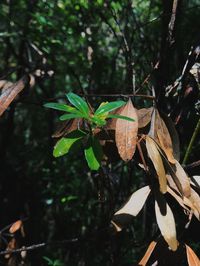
(172, 171)
(195, 199)
(67, 127)
(174, 136)
(166, 224)
(4, 84)
(183, 178)
(157, 162)
(126, 132)
(11, 245)
(133, 205)
(192, 258)
(11, 92)
(16, 226)
(144, 116)
(184, 202)
(163, 137)
(147, 254)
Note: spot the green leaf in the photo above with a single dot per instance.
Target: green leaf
(70, 116)
(79, 103)
(93, 153)
(108, 107)
(61, 107)
(98, 121)
(120, 117)
(64, 144)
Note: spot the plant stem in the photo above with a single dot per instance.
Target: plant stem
(189, 148)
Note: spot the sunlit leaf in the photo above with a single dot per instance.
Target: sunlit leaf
(133, 206)
(108, 107)
(15, 227)
(62, 107)
(195, 181)
(192, 258)
(157, 162)
(79, 103)
(126, 132)
(64, 144)
(93, 153)
(166, 224)
(98, 121)
(136, 202)
(147, 254)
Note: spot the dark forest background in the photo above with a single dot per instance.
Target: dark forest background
(88, 47)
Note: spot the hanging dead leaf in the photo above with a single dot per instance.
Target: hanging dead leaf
(144, 116)
(16, 226)
(166, 224)
(126, 132)
(132, 207)
(11, 92)
(157, 162)
(147, 254)
(173, 134)
(195, 199)
(192, 258)
(163, 137)
(67, 127)
(184, 202)
(172, 173)
(136, 202)
(11, 245)
(183, 178)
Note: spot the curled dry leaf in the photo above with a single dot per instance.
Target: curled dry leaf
(67, 127)
(133, 205)
(163, 137)
(16, 226)
(184, 202)
(144, 116)
(157, 162)
(183, 178)
(192, 258)
(147, 254)
(193, 202)
(10, 93)
(166, 224)
(126, 132)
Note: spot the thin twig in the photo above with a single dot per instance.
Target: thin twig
(36, 246)
(122, 95)
(192, 165)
